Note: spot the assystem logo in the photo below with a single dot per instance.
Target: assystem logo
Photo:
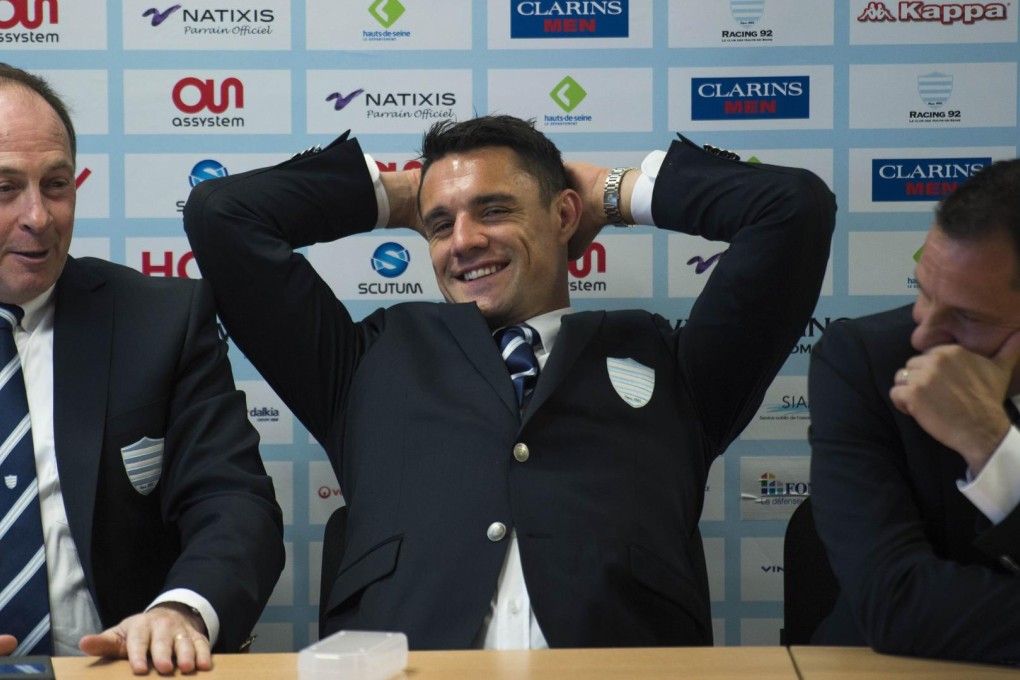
(750, 98)
(185, 88)
(920, 179)
(390, 260)
(589, 19)
(207, 169)
(28, 13)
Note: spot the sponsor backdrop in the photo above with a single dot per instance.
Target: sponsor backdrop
(893, 103)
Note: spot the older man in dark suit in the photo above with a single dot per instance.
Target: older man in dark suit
(134, 498)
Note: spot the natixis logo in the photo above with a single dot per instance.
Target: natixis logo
(206, 169)
(341, 100)
(386, 12)
(568, 94)
(157, 16)
(390, 260)
(747, 12)
(701, 264)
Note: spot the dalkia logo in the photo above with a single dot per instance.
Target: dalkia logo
(28, 13)
(920, 179)
(587, 19)
(750, 98)
(948, 13)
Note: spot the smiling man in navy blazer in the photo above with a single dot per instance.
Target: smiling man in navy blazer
(572, 521)
(122, 369)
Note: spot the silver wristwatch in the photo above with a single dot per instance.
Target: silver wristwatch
(611, 197)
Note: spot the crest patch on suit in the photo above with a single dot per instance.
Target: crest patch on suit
(11, 481)
(143, 461)
(633, 381)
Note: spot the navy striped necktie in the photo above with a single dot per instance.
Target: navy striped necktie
(517, 344)
(24, 592)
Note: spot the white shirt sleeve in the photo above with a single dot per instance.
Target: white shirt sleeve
(190, 598)
(996, 489)
(641, 198)
(382, 201)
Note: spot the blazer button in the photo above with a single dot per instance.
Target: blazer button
(521, 452)
(496, 532)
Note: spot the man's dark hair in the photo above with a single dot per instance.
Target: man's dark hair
(13, 75)
(536, 154)
(984, 205)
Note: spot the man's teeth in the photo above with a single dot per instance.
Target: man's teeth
(479, 273)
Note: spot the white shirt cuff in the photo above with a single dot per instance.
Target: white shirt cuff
(190, 598)
(641, 197)
(382, 201)
(996, 489)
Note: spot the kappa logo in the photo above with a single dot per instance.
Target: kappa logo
(340, 101)
(947, 14)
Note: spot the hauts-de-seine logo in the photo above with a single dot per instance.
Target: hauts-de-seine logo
(206, 169)
(947, 14)
(386, 13)
(568, 95)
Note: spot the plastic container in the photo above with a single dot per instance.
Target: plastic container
(354, 655)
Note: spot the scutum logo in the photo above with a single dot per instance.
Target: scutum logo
(207, 169)
(390, 260)
(26, 17)
(386, 12)
(207, 94)
(567, 94)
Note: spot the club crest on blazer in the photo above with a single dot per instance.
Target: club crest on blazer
(11, 481)
(143, 462)
(633, 381)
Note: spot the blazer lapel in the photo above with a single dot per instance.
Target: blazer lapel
(472, 334)
(576, 331)
(82, 342)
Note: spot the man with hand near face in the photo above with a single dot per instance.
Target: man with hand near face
(136, 518)
(488, 508)
(915, 467)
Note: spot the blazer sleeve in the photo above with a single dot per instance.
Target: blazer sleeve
(778, 223)
(214, 487)
(244, 231)
(886, 548)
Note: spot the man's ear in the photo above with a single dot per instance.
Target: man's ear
(568, 209)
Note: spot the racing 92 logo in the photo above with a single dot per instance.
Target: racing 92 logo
(27, 13)
(185, 89)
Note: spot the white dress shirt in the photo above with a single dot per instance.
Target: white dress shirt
(73, 614)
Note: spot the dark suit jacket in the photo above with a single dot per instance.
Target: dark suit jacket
(135, 357)
(919, 566)
(416, 412)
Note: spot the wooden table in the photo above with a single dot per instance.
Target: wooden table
(703, 663)
(860, 663)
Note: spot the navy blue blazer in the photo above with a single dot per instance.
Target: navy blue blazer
(416, 412)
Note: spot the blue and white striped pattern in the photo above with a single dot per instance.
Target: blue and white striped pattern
(517, 345)
(24, 592)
